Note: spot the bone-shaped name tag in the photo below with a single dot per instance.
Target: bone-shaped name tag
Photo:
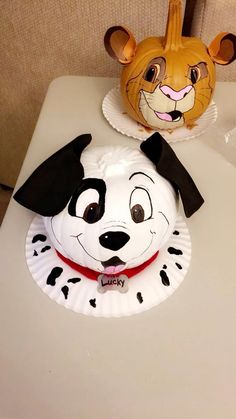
(112, 283)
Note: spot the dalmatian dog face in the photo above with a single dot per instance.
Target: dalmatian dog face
(120, 214)
(110, 208)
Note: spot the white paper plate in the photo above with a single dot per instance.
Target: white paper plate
(76, 292)
(114, 113)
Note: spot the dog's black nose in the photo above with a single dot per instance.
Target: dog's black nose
(114, 240)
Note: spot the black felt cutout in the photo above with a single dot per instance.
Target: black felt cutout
(164, 267)
(93, 302)
(49, 188)
(35, 253)
(164, 278)
(39, 237)
(174, 251)
(139, 297)
(65, 291)
(178, 265)
(45, 248)
(73, 280)
(54, 274)
(176, 232)
(169, 166)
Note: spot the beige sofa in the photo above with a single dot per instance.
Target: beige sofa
(211, 17)
(44, 39)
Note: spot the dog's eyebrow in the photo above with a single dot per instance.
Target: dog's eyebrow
(141, 173)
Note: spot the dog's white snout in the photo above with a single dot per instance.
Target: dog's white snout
(114, 223)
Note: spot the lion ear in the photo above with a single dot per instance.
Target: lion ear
(120, 44)
(168, 165)
(222, 49)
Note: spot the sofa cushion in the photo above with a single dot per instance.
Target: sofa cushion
(44, 39)
(211, 17)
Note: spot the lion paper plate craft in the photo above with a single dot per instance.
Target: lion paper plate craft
(168, 82)
(108, 239)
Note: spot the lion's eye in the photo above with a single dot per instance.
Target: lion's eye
(195, 74)
(152, 73)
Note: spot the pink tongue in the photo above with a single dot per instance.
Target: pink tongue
(164, 116)
(111, 270)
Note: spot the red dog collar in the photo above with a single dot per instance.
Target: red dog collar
(89, 273)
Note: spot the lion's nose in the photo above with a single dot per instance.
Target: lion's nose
(114, 240)
(176, 94)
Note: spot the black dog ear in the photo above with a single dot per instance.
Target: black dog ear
(49, 188)
(169, 166)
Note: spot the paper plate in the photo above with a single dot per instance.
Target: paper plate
(114, 113)
(76, 292)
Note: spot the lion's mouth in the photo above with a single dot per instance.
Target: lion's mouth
(173, 116)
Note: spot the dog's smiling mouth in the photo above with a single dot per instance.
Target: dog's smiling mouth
(110, 266)
(113, 265)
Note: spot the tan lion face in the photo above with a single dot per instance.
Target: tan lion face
(165, 90)
(168, 81)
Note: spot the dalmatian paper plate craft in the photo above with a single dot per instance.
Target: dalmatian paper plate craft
(108, 240)
(115, 114)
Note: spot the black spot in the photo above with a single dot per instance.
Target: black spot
(39, 237)
(74, 280)
(178, 265)
(164, 267)
(176, 232)
(164, 278)
(54, 274)
(93, 302)
(35, 253)
(65, 291)
(45, 248)
(174, 251)
(139, 297)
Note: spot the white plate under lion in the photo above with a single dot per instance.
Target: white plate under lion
(114, 113)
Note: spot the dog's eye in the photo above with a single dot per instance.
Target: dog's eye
(92, 213)
(140, 205)
(88, 206)
(137, 213)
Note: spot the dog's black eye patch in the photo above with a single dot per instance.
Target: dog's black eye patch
(83, 203)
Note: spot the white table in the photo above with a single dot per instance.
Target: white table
(175, 361)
